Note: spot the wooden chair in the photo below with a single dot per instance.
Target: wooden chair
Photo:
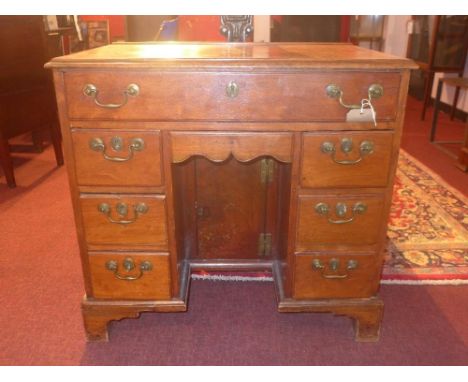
(27, 99)
(462, 158)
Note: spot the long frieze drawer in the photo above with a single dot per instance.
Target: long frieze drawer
(339, 220)
(309, 96)
(346, 159)
(336, 276)
(117, 158)
(140, 276)
(124, 221)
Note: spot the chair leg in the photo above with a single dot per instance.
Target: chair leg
(427, 93)
(455, 101)
(57, 143)
(37, 141)
(6, 163)
(436, 111)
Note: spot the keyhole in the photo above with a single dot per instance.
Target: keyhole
(232, 89)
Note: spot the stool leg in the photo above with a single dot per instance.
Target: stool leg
(6, 163)
(436, 111)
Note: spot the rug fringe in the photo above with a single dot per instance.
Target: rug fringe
(231, 278)
(424, 282)
(384, 282)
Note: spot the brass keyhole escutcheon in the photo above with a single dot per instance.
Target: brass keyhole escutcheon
(232, 89)
(128, 264)
(341, 209)
(346, 145)
(117, 143)
(122, 209)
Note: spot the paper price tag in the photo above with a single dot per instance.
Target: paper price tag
(365, 114)
(355, 115)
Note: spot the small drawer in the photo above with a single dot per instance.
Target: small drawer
(228, 96)
(338, 221)
(219, 146)
(117, 158)
(336, 276)
(351, 159)
(140, 276)
(124, 221)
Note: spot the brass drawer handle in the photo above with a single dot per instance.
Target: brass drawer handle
(375, 91)
(232, 89)
(136, 144)
(333, 265)
(128, 265)
(365, 148)
(90, 90)
(340, 210)
(122, 210)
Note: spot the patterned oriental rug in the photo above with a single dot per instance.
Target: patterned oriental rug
(428, 232)
(428, 228)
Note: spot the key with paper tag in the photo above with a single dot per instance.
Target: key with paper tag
(365, 114)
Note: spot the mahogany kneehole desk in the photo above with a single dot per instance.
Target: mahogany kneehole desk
(236, 156)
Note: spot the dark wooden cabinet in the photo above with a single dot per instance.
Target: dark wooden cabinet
(438, 44)
(231, 157)
(27, 100)
(307, 28)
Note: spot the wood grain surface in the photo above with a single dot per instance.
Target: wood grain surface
(147, 231)
(152, 285)
(313, 283)
(316, 231)
(201, 156)
(93, 169)
(202, 96)
(219, 146)
(319, 170)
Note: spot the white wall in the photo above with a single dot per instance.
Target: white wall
(395, 36)
(395, 42)
(262, 28)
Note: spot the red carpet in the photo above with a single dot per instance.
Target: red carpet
(415, 141)
(227, 323)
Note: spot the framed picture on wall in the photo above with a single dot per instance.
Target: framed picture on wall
(98, 33)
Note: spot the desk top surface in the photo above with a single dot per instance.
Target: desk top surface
(232, 54)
